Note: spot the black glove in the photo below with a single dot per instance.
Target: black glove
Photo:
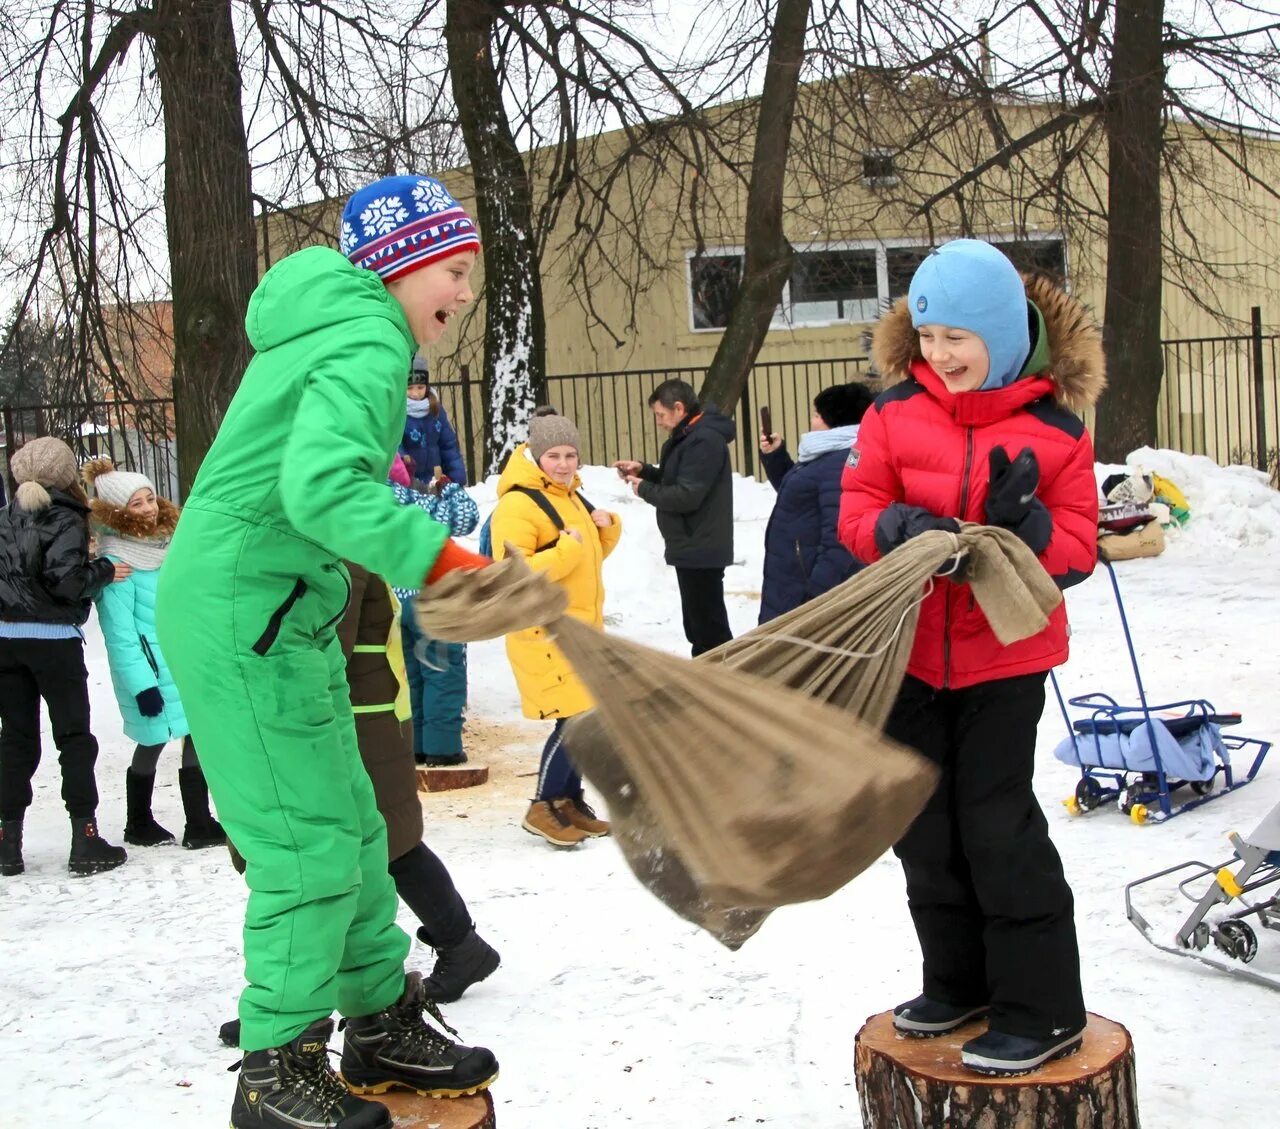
(899, 523)
(150, 702)
(1012, 501)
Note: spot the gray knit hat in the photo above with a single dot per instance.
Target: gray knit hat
(47, 461)
(547, 431)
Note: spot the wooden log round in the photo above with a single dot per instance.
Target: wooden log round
(906, 1083)
(410, 1111)
(448, 777)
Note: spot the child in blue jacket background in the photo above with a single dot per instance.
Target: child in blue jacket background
(429, 439)
(135, 526)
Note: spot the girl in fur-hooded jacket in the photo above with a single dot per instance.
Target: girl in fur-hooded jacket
(135, 526)
(981, 426)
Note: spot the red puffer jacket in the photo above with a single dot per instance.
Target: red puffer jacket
(924, 446)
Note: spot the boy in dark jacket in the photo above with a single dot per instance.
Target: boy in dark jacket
(429, 438)
(692, 490)
(803, 557)
(981, 428)
(47, 583)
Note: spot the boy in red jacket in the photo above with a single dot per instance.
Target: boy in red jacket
(981, 428)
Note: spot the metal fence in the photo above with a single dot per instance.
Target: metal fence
(613, 416)
(1221, 397)
(136, 435)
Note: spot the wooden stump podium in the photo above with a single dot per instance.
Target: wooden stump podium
(448, 777)
(906, 1083)
(409, 1111)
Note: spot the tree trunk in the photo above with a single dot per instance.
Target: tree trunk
(767, 261)
(920, 1084)
(514, 329)
(212, 257)
(1135, 361)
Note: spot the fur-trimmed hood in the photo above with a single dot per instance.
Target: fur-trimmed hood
(1076, 365)
(117, 519)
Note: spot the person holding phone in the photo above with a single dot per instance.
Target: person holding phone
(692, 490)
(803, 556)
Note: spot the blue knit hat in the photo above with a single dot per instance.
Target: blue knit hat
(968, 284)
(400, 223)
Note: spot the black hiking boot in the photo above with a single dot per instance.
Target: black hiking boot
(11, 848)
(923, 1018)
(140, 826)
(458, 966)
(294, 1087)
(398, 1047)
(90, 853)
(202, 829)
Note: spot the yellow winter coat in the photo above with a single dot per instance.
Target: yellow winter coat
(548, 686)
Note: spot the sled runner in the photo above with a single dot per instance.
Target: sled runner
(1141, 755)
(1254, 885)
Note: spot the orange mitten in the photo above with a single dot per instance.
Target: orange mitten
(454, 556)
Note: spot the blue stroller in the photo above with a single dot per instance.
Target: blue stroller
(1141, 755)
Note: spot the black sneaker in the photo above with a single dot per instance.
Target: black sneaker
(294, 1087)
(11, 848)
(923, 1018)
(997, 1053)
(397, 1047)
(458, 966)
(90, 853)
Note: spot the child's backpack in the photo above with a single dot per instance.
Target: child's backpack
(544, 504)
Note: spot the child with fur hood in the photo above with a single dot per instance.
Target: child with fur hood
(981, 427)
(47, 580)
(134, 527)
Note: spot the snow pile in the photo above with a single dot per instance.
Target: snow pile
(1231, 507)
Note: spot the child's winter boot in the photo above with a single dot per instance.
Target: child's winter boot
(458, 966)
(11, 847)
(140, 827)
(923, 1018)
(202, 829)
(545, 819)
(90, 853)
(397, 1047)
(294, 1087)
(994, 1052)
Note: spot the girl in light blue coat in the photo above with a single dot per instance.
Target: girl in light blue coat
(134, 527)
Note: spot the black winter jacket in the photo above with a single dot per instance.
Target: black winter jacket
(46, 575)
(803, 557)
(692, 490)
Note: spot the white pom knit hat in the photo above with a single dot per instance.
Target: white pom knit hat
(115, 487)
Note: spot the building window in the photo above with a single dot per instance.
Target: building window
(828, 286)
(842, 284)
(713, 283)
(879, 169)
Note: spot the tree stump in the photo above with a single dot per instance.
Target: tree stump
(409, 1111)
(448, 777)
(920, 1084)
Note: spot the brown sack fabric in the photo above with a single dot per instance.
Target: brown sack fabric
(756, 776)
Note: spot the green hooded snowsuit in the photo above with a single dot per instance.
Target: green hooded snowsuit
(249, 597)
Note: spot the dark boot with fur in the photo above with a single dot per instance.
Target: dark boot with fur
(140, 826)
(202, 829)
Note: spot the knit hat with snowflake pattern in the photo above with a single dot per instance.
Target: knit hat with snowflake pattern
(398, 224)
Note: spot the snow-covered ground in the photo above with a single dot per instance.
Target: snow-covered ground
(608, 1010)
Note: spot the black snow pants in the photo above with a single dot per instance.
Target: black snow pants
(990, 903)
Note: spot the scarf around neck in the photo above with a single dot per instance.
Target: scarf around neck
(815, 443)
(418, 409)
(145, 553)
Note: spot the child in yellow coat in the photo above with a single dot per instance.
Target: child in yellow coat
(541, 515)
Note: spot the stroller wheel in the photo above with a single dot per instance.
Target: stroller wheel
(1088, 793)
(1237, 939)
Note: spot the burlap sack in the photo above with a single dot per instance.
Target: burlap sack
(756, 776)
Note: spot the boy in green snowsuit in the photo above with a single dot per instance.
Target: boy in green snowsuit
(248, 600)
